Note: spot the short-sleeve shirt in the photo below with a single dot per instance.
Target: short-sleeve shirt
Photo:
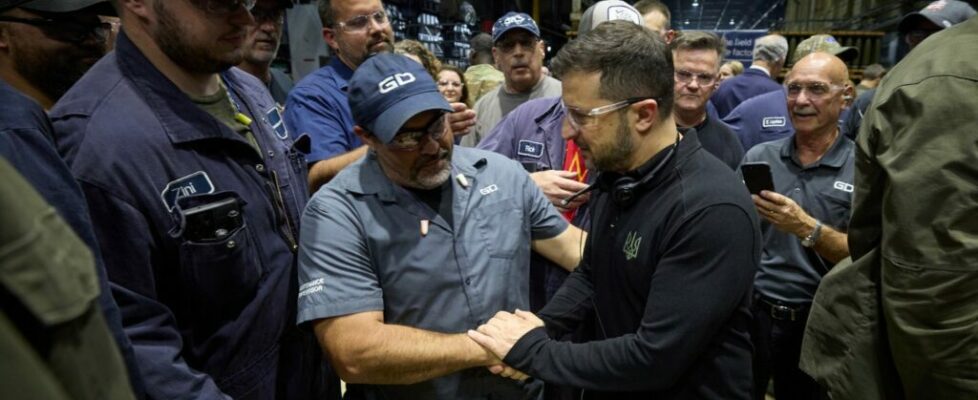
(789, 271)
(491, 108)
(318, 106)
(363, 250)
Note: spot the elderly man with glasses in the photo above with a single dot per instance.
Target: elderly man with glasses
(317, 106)
(697, 56)
(417, 242)
(195, 199)
(805, 220)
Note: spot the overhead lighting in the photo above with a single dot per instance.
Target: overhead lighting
(696, 3)
(686, 22)
(731, 21)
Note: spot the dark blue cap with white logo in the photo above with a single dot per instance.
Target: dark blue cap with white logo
(514, 20)
(389, 89)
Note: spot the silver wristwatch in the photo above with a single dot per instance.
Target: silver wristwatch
(809, 241)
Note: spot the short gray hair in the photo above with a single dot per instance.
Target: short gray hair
(633, 62)
(771, 48)
(326, 13)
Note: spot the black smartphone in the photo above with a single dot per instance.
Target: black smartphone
(212, 221)
(757, 176)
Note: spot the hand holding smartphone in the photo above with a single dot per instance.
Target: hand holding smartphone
(757, 177)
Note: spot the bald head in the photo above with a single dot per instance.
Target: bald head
(825, 64)
(817, 89)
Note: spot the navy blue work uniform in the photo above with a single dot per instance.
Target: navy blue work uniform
(199, 225)
(761, 119)
(27, 142)
(733, 91)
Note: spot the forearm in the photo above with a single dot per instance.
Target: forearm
(396, 354)
(564, 249)
(324, 170)
(832, 244)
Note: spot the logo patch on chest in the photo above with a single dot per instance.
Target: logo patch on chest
(195, 183)
(632, 243)
(773, 122)
(274, 117)
(530, 148)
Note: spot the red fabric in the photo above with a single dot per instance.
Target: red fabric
(575, 163)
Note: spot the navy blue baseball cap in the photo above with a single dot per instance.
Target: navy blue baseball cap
(514, 20)
(389, 89)
(55, 6)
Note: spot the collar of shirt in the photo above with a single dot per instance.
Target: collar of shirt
(372, 179)
(760, 68)
(834, 157)
(343, 72)
(181, 119)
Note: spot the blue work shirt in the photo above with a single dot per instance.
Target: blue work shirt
(363, 249)
(531, 135)
(790, 273)
(732, 92)
(27, 142)
(761, 119)
(318, 107)
(211, 317)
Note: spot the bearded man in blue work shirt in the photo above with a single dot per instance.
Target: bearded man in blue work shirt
(195, 193)
(419, 241)
(664, 285)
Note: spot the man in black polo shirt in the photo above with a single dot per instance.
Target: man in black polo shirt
(696, 56)
(665, 283)
(806, 219)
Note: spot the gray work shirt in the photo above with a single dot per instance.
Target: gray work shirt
(790, 272)
(362, 250)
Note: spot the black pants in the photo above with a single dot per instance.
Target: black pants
(777, 347)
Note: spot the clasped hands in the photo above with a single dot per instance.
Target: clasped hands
(500, 334)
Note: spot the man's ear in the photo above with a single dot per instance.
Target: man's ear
(647, 114)
(329, 35)
(366, 137)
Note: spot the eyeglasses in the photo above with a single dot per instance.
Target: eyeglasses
(360, 23)
(454, 84)
(65, 30)
(220, 8)
(580, 119)
(685, 77)
(411, 140)
(816, 90)
(509, 45)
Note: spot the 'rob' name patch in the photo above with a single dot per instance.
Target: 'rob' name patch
(195, 183)
(530, 148)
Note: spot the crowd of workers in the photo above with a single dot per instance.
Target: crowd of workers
(180, 221)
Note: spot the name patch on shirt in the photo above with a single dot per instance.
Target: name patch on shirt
(530, 148)
(195, 183)
(773, 122)
(274, 117)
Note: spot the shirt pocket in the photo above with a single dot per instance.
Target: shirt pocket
(836, 208)
(222, 272)
(500, 228)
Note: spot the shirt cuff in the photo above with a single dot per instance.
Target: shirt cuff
(521, 355)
